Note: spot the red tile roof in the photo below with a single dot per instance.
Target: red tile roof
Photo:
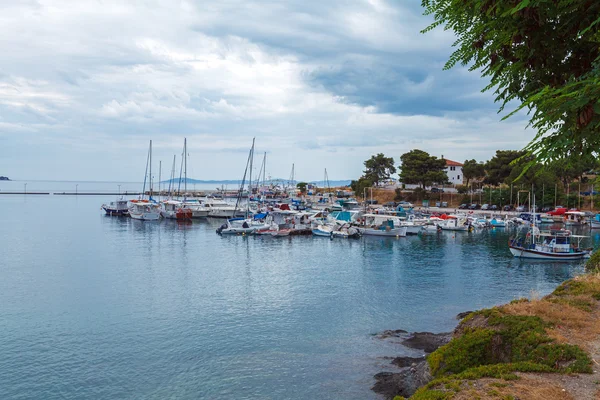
(450, 163)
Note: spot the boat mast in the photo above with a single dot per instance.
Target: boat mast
(172, 180)
(237, 203)
(185, 170)
(328, 188)
(533, 216)
(159, 177)
(146, 172)
(250, 180)
(150, 169)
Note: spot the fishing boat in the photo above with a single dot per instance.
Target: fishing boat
(595, 222)
(558, 244)
(118, 207)
(174, 209)
(380, 225)
(454, 223)
(574, 218)
(218, 208)
(497, 222)
(145, 209)
(325, 230)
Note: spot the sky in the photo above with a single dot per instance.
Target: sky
(85, 85)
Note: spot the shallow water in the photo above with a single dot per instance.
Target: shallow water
(103, 307)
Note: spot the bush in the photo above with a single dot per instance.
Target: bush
(398, 196)
(462, 189)
(593, 264)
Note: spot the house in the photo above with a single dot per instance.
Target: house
(454, 172)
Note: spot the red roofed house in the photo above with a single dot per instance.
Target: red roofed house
(454, 172)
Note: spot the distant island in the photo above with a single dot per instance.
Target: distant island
(4, 178)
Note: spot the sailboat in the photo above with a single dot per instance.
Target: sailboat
(145, 209)
(175, 209)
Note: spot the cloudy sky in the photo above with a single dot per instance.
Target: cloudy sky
(84, 86)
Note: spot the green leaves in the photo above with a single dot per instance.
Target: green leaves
(542, 56)
(418, 167)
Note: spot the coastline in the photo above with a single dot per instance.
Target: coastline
(527, 349)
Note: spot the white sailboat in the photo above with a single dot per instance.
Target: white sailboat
(145, 209)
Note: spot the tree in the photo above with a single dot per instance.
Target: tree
(379, 168)
(473, 170)
(541, 54)
(499, 167)
(359, 185)
(419, 168)
(302, 187)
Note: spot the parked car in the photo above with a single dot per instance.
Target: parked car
(474, 206)
(508, 207)
(493, 207)
(547, 209)
(485, 206)
(437, 190)
(463, 206)
(444, 204)
(405, 204)
(558, 211)
(521, 208)
(371, 201)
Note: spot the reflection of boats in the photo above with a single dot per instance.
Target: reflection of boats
(117, 207)
(551, 245)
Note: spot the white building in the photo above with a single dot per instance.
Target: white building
(454, 172)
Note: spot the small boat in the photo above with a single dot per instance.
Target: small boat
(497, 223)
(323, 230)
(219, 208)
(346, 232)
(595, 222)
(144, 210)
(380, 225)
(552, 245)
(456, 224)
(547, 219)
(574, 218)
(173, 209)
(118, 207)
(233, 228)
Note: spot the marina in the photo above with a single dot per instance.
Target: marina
(170, 308)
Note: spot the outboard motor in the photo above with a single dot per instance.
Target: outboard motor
(220, 229)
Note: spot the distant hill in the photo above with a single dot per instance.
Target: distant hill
(4, 178)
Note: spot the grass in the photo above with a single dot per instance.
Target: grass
(540, 335)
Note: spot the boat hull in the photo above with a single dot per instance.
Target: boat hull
(539, 255)
(595, 224)
(396, 232)
(145, 216)
(115, 212)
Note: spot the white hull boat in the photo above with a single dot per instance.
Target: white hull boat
(540, 254)
(389, 232)
(144, 211)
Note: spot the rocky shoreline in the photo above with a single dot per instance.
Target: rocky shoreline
(414, 371)
(536, 349)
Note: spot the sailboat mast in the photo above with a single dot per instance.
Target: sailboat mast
(264, 168)
(150, 169)
(185, 170)
(159, 177)
(172, 180)
(146, 174)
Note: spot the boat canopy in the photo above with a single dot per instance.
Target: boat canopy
(261, 215)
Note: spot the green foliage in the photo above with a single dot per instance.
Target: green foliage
(379, 168)
(398, 196)
(508, 342)
(359, 186)
(473, 170)
(499, 167)
(302, 186)
(541, 54)
(419, 168)
(462, 189)
(593, 264)
(582, 304)
(577, 287)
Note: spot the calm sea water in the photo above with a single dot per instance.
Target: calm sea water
(104, 308)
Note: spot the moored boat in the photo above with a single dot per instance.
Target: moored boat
(118, 207)
(595, 222)
(145, 209)
(549, 245)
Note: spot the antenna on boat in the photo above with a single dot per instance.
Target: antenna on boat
(172, 178)
(151, 170)
(146, 172)
(159, 177)
(185, 169)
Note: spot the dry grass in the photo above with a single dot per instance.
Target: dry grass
(525, 388)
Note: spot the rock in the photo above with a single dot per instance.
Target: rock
(462, 315)
(403, 362)
(391, 333)
(404, 383)
(427, 341)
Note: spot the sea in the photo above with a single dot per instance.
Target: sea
(99, 307)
